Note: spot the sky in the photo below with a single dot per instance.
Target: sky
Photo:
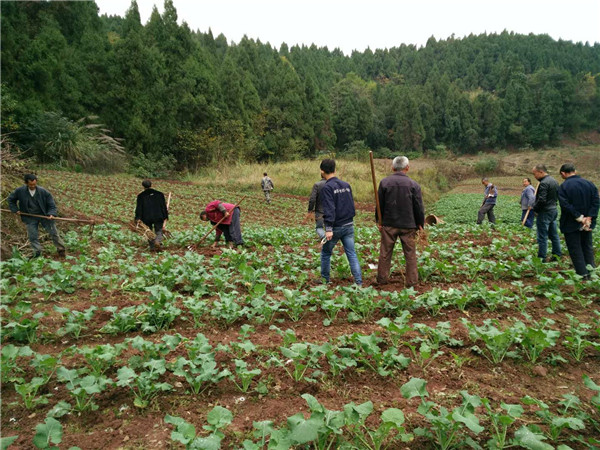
(360, 24)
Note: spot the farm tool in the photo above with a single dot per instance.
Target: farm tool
(167, 233)
(62, 219)
(143, 229)
(225, 216)
(377, 206)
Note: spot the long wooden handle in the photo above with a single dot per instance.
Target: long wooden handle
(377, 206)
(219, 222)
(64, 219)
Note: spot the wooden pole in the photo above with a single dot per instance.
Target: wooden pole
(219, 222)
(64, 219)
(529, 209)
(377, 206)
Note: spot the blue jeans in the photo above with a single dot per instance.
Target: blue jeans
(346, 235)
(530, 217)
(546, 229)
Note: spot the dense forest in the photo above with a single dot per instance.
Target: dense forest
(79, 87)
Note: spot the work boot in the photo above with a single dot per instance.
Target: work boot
(35, 255)
(62, 253)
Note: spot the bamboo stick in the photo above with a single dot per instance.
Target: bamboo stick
(377, 206)
(64, 219)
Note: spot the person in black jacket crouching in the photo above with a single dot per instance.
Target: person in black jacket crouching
(151, 209)
(338, 216)
(579, 205)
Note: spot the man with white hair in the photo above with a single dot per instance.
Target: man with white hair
(402, 214)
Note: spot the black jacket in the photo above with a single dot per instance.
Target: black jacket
(547, 195)
(577, 196)
(401, 202)
(151, 207)
(338, 203)
(22, 197)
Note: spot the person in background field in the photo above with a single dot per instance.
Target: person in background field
(315, 206)
(230, 227)
(151, 209)
(267, 187)
(579, 205)
(546, 212)
(527, 201)
(489, 201)
(33, 199)
(338, 214)
(402, 215)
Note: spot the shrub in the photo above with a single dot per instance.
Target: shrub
(152, 166)
(487, 165)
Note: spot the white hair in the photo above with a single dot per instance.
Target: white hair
(400, 163)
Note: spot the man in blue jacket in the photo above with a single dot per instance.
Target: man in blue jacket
(338, 215)
(33, 199)
(579, 205)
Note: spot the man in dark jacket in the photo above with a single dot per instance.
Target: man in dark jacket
(579, 205)
(546, 213)
(338, 215)
(315, 207)
(151, 209)
(402, 214)
(33, 199)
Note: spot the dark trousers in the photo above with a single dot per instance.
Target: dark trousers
(581, 250)
(486, 208)
(157, 227)
(233, 231)
(389, 235)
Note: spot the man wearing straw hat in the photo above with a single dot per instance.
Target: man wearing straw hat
(402, 214)
(33, 199)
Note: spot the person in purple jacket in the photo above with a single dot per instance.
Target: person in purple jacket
(338, 217)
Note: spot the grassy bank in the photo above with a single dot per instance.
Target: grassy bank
(298, 177)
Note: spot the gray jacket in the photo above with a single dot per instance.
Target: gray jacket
(527, 197)
(20, 197)
(314, 202)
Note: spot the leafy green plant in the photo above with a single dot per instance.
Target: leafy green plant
(29, 392)
(145, 385)
(185, 432)
(101, 357)
(75, 320)
(10, 368)
(575, 339)
(497, 342)
(556, 423)
(243, 376)
(501, 420)
(535, 338)
(83, 388)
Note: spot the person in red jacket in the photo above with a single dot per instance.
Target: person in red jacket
(230, 226)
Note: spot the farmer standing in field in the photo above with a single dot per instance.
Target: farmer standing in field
(151, 209)
(402, 215)
(315, 206)
(230, 226)
(546, 212)
(490, 196)
(527, 201)
(267, 187)
(338, 215)
(33, 199)
(579, 205)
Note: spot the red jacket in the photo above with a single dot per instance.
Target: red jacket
(214, 215)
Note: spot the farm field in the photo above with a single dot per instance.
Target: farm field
(116, 347)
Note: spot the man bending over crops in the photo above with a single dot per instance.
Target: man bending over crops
(490, 196)
(151, 209)
(579, 205)
(33, 199)
(338, 214)
(402, 214)
(228, 218)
